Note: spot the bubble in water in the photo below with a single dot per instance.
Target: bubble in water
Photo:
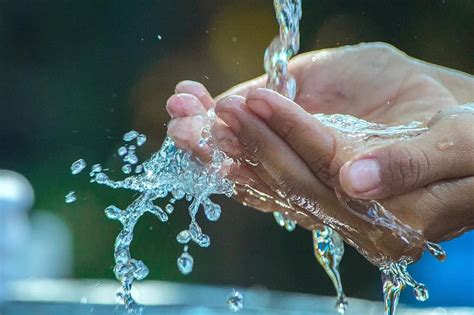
(185, 263)
(235, 301)
(126, 169)
(70, 197)
(122, 151)
(141, 139)
(78, 166)
(129, 136)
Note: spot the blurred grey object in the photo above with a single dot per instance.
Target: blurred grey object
(74, 297)
(39, 246)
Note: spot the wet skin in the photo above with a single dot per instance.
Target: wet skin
(287, 161)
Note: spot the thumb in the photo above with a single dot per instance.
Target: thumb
(445, 151)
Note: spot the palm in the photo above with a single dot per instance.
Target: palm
(376, 83)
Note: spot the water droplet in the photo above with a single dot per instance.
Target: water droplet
(83, 300)
(70, 197)
(203, 240)
(141, 139)
(113, 212)
(421, 292)
(212, 211)
(185, 263)
(279, 218)
(290, 225)
(183, 237)
(178, 194)
(126, 169)
(169, 208)
(444, 144)
(436, 250)
(78, 166)
(235, 301)
(101, 178)
(139, 169)
(159, 37)
(96, 168)
(122, 151)
(341, 305)
(130, 157)
(202, 142)
(132, 134)
(234, 39)
(159, 213)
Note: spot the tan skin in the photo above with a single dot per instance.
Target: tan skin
(295, 163)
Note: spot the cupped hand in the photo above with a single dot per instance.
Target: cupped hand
(296, 162)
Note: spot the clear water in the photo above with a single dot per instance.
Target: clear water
(328, 246)
(328, 250)
(170, 173)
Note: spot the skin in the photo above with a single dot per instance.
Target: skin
(289, 162)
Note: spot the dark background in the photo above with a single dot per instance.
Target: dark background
(76, 75)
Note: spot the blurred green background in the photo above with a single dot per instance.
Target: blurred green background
(76, 75)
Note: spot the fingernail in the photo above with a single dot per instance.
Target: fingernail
(364, 175)
(261, 108)
(230, 120)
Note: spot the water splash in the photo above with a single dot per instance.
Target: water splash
(169, 173)
(329, 249)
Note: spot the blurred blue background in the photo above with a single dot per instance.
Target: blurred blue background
(78, 74)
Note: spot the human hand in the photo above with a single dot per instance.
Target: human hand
(341, 80)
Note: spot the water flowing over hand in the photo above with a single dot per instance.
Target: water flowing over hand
(291, 163)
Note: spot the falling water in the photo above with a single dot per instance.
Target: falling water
(328, 246)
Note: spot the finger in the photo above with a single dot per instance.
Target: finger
(183, 104)
(198, 90)
(314, 143)
(442, 210)
(270, 151)
(446, 151)
(186, 132)
(243, 89)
